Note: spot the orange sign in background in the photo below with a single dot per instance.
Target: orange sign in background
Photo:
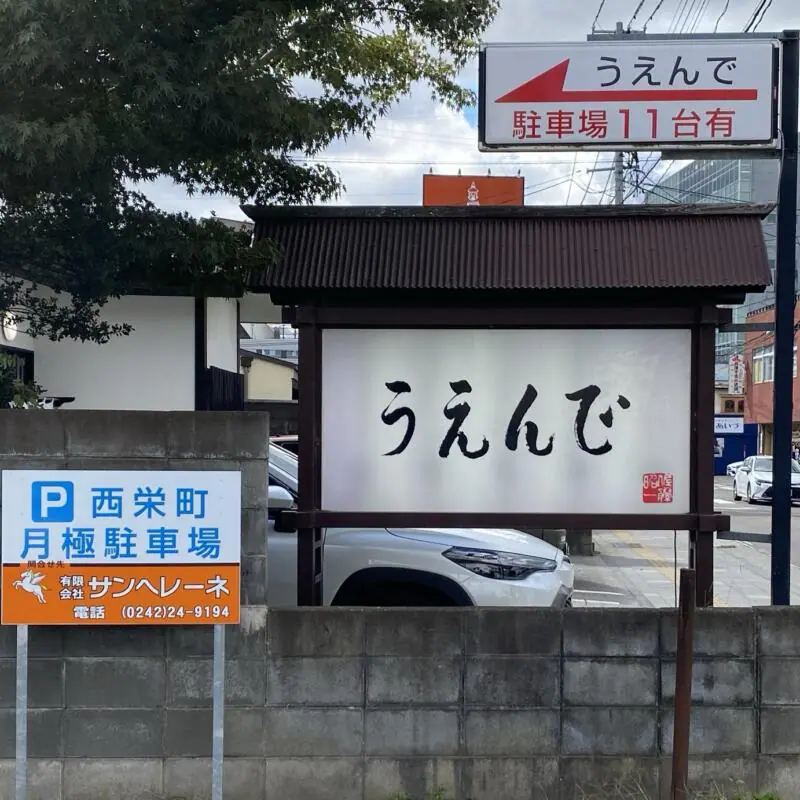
(472, 190)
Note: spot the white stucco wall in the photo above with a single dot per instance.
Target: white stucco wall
(151, 369)
(222, 347)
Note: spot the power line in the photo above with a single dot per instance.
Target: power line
(605, 188)
(673, 25)
(572, 177)
(754, 16)
(700, 14)
(722, 14)
(763, 14)
(425, 163)
(636, 14)
(654, 12)
(597, 15)
(681, 26)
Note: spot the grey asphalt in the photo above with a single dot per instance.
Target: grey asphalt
(640, 568)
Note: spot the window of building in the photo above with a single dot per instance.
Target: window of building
(764, 364)
(740, 406)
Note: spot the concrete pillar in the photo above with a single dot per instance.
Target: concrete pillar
(580, 542)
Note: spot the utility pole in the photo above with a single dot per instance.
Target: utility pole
(619, 167)
(619, 180)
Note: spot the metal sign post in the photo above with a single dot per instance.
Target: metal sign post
(218, 713)
(21, 752)
(785, 283)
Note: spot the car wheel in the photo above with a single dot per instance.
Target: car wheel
(736, 496)
(750, 495)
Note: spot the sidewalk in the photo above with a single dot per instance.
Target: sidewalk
(642, 564)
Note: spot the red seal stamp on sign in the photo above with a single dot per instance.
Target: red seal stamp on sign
(657, 487)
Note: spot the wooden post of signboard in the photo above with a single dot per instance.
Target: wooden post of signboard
(683, 687)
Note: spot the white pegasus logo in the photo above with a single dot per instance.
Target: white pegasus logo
(31, 582)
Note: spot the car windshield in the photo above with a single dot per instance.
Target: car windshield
(765, 465)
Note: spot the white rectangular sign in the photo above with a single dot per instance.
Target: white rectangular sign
(516, 421)
(728, 425)
(120, 548)
(105, 517)
(628, 94)
(736, 374)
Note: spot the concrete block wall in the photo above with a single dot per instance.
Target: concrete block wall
(341, 704)
(489, 703)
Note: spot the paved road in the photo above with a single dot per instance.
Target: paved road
(593, 590)
(753, 518)
(639, 568)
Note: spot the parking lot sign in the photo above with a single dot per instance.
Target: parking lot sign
(120, 548)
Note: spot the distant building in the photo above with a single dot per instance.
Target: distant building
(273, 340)
(267, 378)
(759, 354)
(728, 181)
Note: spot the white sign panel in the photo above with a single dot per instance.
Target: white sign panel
(631, 94)
(736, 374)
(544, 421)
(728, 425)
(106, 547)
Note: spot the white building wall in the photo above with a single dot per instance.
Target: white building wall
(222, 344)
(151, 369)
(21, 340)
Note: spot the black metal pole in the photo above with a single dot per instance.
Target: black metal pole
(784, 324)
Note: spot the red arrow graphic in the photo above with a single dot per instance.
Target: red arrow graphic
(548, 87)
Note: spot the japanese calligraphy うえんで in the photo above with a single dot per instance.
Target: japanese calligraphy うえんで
(457, 410)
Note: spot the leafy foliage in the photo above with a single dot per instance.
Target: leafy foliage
(98, 97)
(15, 393)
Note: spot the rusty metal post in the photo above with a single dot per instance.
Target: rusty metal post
(683, 687)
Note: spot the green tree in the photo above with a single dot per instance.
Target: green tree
(99, 97)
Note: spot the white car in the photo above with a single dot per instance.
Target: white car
(412, 566)
(753, 480)
(733, 467)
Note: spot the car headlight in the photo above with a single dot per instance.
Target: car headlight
(497, 564)
(759, 482)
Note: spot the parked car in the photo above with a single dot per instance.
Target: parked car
(412, 566)
(558, 538)
(733, 466)
(753, 480)
(287, 442)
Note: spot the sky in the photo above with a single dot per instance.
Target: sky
(420, 136)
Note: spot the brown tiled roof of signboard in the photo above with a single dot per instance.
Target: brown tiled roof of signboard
(513, 248)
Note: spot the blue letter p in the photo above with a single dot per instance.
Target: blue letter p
(52, 501)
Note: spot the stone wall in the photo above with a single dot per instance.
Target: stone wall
(339, 704)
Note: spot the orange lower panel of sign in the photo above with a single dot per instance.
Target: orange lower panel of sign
(127, 594)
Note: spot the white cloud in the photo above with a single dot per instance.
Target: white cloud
(420, 135)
